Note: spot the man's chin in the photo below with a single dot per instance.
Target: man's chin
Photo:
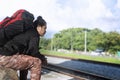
(42, 35)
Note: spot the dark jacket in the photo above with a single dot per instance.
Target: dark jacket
(25, 43)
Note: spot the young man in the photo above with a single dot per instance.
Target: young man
(22, 52)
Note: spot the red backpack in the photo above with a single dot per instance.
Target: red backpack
(19, 22)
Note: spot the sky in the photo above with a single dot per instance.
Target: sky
(64, 14)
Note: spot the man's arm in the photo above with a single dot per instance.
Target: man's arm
(33, 49)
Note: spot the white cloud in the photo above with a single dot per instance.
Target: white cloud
(118, 4)
(62, 14)
(87, 16)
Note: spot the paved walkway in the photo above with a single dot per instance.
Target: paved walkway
(55, 76)
(46, 75)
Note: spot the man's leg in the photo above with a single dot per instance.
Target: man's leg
(23, 62)
(36, 70)
(23, 74)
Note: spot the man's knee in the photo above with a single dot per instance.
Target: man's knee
(37, 61)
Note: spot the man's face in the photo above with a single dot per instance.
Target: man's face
(41, 30)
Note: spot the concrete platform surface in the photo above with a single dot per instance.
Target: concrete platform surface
(51, 75)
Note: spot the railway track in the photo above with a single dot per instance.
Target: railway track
(78, 75)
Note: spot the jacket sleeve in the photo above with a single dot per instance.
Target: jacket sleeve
(33, 49)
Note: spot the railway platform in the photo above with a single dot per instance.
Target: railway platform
(51, 75)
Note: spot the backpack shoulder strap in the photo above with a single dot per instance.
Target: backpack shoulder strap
(4, 22)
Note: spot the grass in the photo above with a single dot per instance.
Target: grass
(81, 56)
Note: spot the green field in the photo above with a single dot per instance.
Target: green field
(81, 56)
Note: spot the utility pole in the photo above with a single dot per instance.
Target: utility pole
(85, 45)
(51, 43)
(71, 41)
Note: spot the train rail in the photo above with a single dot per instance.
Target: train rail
(53, 69)
(77, 74)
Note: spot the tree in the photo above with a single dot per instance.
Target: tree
(73, 39)
(45, 43)
(112, 42)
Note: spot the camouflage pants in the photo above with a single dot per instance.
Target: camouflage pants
(23, 63)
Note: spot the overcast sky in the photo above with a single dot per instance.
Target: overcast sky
(63, 14)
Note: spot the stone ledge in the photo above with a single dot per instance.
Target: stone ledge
(8, 74)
